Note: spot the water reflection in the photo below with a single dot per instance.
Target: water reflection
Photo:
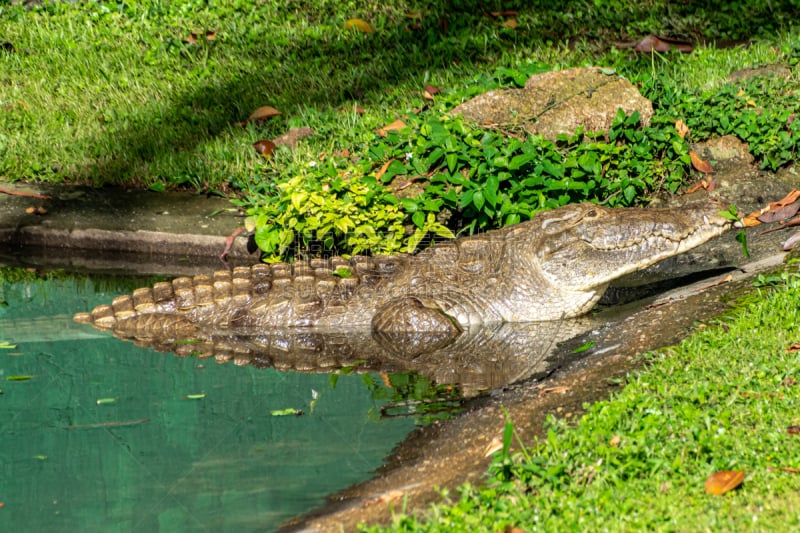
(477, 360)
(100, 435)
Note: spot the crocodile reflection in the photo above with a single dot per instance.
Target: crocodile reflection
(477, 359)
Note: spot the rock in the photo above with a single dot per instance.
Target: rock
(559, 102)
(767, 71)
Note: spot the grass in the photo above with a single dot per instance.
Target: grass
(727, 398)
(109, 92)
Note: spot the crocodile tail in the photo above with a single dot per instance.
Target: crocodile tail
(168, 307)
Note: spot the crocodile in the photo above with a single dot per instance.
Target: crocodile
(554, 266)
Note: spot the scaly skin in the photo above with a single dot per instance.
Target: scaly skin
(555, 266)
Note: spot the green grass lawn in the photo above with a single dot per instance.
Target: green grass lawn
(726, 399)
(113, 93)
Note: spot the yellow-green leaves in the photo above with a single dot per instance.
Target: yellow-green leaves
(352, 212)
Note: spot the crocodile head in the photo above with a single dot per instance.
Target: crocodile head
(584, 247)
(561, 262)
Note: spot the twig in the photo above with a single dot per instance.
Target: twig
(109, 424)
(229, 242)
(26, 194)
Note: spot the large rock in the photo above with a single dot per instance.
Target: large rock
(559, 102)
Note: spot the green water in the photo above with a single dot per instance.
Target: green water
(154, 458)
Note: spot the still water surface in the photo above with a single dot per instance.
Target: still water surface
(106, 436)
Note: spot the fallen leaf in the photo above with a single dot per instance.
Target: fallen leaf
(705, 184)
(264, 147)
(614, 442)
(386, 497)
(291, 137)
(723, 481)
(382, 170)
(682, 128)
(757, 217)
(497, 14)
(552, 390)
(698, 163)
(429, 91)
(394, 126)
(781, 213)
(510, 23)
(359, 25)
(651, 43)
(494, 446)
(263, 113)
(195, 37)
(289, 411)
(793, 430)
(356, 109)
(415, 15)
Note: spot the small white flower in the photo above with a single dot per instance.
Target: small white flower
(409, 155)
(312, 164)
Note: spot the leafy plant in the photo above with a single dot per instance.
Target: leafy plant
(325, 213)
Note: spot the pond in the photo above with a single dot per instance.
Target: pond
(102, 435)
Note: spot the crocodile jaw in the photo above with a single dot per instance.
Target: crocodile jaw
(598, 245)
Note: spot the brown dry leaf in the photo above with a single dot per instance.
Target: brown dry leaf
(705, 184)
(494, 446)
(793, 347)
(614, 442)
(394, 126)
(383, 169)
(356, 109)
(723, 481)
(497, 14)
(263, 113)
(191, 39)
(793, 430)
(552, 390)
(781, 213)
(698, 163)
(211, 35)
(359, 25)
(651, 43)
(757, 217)
(683, 129)
(264, 147)
(291, 137)
(510, 23)
(429, 91)
(512, 529)
(386, 497)
(415, 15)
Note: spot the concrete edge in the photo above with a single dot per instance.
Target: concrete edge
(141, 242)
